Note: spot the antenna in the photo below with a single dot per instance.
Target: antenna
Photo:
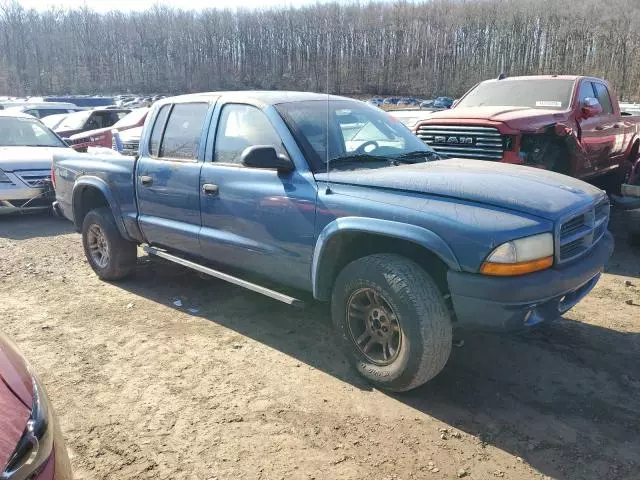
(328, 190)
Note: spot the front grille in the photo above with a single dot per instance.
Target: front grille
(36, 178)
(581, 231)
(130, 148)
(479, 143)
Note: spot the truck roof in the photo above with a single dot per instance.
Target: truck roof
(266, 97)
(542, 77)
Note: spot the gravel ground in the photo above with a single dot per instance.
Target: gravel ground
(234, 385)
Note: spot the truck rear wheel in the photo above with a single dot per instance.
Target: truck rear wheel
(109, 254)
(392, 320)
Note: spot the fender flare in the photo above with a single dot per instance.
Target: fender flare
(99, 184)
(403, 231)
(634, 139)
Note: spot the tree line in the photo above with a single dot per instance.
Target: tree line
(423, 49)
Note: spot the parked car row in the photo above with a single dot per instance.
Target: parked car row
(435, 104)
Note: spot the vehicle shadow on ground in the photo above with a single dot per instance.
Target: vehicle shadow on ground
(33, 225)
(626, 258)
(564, 398)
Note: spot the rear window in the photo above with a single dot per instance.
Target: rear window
(548, 94)
(182, 135)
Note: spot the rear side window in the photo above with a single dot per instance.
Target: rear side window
(182, 136)
(158, 127)
(603, 97)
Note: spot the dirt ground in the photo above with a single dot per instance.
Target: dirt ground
(234, 385)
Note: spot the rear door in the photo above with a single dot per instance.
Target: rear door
(168, 177)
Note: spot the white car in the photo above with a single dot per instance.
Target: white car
(26, 150)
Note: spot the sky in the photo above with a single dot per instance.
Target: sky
(129, 5)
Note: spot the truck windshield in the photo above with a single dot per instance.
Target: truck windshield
(75, 121)
(549, 94)
(358, 134)
(132, 118)
(26, 132)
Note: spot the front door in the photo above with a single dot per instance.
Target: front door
(259, 220)
(598, 133)
(168, 178)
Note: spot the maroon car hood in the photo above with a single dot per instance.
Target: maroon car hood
(13, 371)
(15, 398)
(519, 118)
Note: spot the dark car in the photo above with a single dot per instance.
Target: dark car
(443, 102)
(31, 447)
(90, 120)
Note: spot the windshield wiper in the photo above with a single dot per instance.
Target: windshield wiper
(417, 157)
(357, 158)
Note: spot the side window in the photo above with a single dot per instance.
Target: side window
(158, 127)
(35, 113)
(182, 136)
(243, 126)
(604, 98)
(586, 91)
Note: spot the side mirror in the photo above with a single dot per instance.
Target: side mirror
(591, 107)
(265, 156)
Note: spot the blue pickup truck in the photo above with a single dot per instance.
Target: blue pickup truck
(328, 196)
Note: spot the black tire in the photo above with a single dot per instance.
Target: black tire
(422, 315)
(122, 254)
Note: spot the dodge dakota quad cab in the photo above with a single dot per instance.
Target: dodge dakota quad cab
(334, 197)
(567, 124)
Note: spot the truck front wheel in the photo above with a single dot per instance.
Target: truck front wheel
(392, 320)
(109, 254)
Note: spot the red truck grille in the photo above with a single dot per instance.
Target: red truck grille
(479, 143)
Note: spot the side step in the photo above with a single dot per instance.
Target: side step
(225, 276)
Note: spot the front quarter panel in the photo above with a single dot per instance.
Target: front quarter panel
(469, 231)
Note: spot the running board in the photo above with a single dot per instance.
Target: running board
(226, 277)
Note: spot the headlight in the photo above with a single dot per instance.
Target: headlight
(521, 256)
(36, 444)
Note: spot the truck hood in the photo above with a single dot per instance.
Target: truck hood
(90, 133)
(27, 158)
(518, 118)
(527, 190)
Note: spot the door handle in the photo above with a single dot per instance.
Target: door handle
(599, 127)
(210, 189)
(617, 125)
(146, 181)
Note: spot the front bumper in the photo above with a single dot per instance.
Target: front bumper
(22, 199)
(518, 303)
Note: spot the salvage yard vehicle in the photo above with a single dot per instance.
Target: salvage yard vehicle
(90, 120)
(568, 124)
(103, 137)
(26, 149)
(43, 110)
(629, 200)
(31, 447)
(331, 196)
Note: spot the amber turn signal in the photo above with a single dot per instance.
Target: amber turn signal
(513, 269)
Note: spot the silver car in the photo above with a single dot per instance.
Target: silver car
(26, 149)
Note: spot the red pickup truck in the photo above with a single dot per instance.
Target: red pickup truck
(569, 124)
